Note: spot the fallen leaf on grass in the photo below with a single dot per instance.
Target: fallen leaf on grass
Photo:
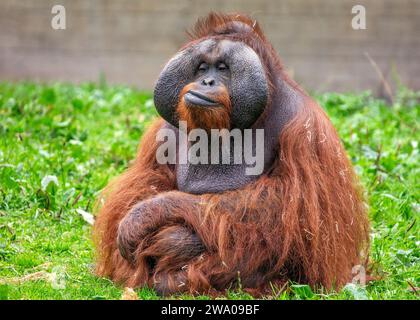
(47, 180)
(88, 217)
(40, 275)
(129, 294)
(43, 266)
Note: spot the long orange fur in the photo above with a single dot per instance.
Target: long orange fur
(305, 221)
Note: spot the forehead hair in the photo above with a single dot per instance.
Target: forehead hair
(214, 49)
(238, 28)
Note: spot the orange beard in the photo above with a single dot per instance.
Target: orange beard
(215, 117)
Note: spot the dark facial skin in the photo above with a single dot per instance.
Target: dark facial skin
(210, 65)
(211, 79)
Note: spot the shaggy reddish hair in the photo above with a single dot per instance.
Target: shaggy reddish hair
(304, 220)
(206, 118)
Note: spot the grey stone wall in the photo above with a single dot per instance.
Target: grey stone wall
(129, 41)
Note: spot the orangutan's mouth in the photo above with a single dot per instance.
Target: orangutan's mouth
(195, 98)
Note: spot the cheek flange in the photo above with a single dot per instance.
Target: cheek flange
(177, 73)
(249, 86)
(175, 76)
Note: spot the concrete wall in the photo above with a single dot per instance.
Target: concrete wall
(129, 41)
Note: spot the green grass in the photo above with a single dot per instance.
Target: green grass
(85, 135)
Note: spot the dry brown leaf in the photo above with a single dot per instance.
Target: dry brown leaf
(43, 266)
(129, 294)
(29, 277)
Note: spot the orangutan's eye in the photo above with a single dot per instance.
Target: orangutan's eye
(203, 67)
(222, 66)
